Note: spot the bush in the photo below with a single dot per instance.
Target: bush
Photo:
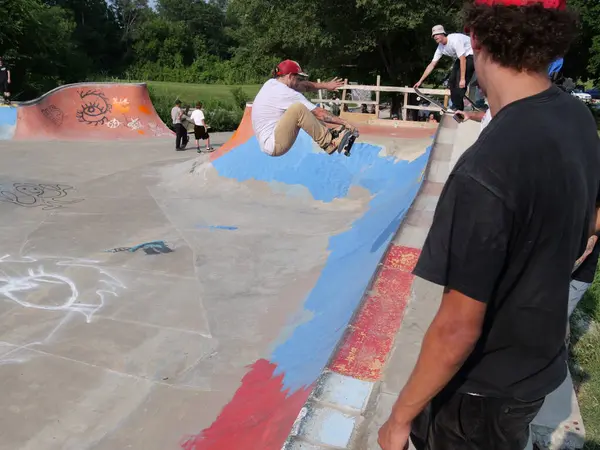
(220, 115)
(240, 97)
(223, 119)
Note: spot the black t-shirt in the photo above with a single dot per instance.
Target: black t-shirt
(513, 217)
(587, 270)
(4, 74)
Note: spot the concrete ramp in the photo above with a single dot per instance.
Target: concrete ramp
(85, 111)
(149, 300)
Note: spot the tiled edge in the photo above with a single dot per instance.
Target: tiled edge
(335, 411)
(336, 408)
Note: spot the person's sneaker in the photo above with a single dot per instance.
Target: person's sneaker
(339, 137)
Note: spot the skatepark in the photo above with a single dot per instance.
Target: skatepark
(153, 299)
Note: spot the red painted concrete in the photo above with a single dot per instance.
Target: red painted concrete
(370, 338)
(103, 111)
(259, 417)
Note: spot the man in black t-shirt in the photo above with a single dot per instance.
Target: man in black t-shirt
(513, 217)
(5, 81)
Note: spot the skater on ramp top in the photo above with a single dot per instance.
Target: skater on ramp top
(280, 110)
(455, 45)
(5, 81)
(515, 214)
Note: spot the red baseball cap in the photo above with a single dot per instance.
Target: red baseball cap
(547, 4)
(289, 67)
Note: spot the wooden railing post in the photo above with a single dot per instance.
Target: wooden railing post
(377, 93)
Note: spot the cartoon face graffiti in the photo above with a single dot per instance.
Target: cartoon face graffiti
(47, 196)
(94, 108)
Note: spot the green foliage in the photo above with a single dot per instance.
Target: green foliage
(221, 103)
(240, 97)
(49, 42)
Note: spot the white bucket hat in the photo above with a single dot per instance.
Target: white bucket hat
(438, 29)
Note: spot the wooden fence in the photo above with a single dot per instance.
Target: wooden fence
(445, 93)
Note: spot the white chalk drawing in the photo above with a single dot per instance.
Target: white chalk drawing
(157, 130)
(46, 285)
(113, 123)
(135, 124)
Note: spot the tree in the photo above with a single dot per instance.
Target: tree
(37, 43)
(364, 37)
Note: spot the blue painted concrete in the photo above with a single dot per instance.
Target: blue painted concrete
(353, 254)
(8, 122)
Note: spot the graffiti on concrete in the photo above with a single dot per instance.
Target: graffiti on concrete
(135, 124)
(94, 108)
(46, 196)
(157, 130)
(113, 123)
(54, 114)
(150, 248)
(22, 279)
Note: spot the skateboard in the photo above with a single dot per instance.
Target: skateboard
(347, 142)
(438, 104)
(445, 110)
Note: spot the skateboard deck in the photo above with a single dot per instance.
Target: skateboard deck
(438, 104)
(347, 143)
(445, 110)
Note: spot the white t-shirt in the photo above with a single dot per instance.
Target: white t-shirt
(197, 117)
(486, 119)
(273, 99)
(458, 45)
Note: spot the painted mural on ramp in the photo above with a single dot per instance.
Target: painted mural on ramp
(262, 411)
(85, 111)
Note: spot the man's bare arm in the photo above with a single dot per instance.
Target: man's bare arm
(463, 69)
(311, 86)
(427, 72)
(325, 116)
(448, 342)
(8, 74)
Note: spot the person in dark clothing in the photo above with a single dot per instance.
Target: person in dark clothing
(514, 216)
(5, 81)
(177, 117)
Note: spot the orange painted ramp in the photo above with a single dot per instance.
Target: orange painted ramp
(91, 111)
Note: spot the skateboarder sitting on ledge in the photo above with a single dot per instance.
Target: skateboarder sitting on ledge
(5, 81)
(279, 111)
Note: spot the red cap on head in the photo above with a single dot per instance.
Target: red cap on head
(548, 4)
(288, 67)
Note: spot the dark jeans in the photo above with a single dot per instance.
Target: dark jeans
(181, 135)
(456, 93)
(454, 421)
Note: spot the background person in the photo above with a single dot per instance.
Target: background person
(200, 128)
(177, 117)
(5, 81)
(454, 45)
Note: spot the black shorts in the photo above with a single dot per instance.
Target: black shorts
(200, 132)
(4, 87)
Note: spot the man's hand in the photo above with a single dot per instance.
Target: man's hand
(394, 436)
(334, 84)
(462, 83)
(350, 127)
(417, 85)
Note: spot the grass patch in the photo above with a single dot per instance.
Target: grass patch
(223, 105)
(205, 93)
(585, 361)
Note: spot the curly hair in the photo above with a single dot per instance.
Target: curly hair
(525, 38)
